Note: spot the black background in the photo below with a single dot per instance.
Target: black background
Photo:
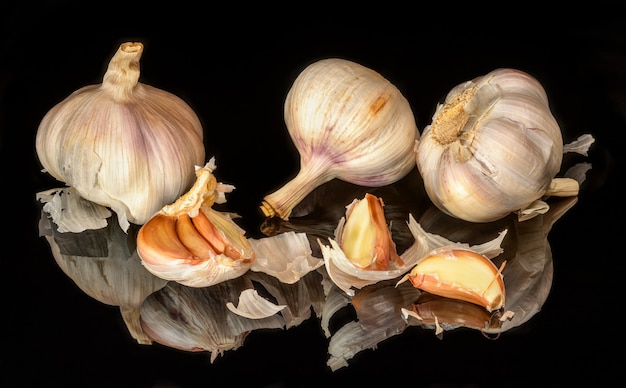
(234, 65)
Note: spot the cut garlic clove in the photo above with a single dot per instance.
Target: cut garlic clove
(191, 243)
(462, 274)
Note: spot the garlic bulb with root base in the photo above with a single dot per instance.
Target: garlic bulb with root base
(347, 122)
(193, 244)
(493, 148)
(460, 273)
(123, 144)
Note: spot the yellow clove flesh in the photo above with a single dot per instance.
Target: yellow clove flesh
(462, 274)
(366, 239)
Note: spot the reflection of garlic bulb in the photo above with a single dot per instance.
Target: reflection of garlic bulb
(347, 122)
(493, 148)
(123, 144)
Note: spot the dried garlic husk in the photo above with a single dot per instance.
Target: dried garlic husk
(123, 144)
(493, 148)
(286, 256)
(460, 273)
(190, 242)
(347, 122)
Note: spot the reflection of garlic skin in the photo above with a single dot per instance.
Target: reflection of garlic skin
(347, 122)
(191, 243)
(123, 144)
(493, 148)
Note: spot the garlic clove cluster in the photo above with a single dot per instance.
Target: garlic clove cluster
(493, 147)
(347, 122)
(123, 144)
(190, 242)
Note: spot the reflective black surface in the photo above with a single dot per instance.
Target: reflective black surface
(235, 70)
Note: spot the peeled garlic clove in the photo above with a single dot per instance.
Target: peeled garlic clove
(366, 239)
(493, 148)
(193, 244)
(347, 122)
(123, 144)
(363, 251)
(462, 274)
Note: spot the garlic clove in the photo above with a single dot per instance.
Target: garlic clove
(366, 240)
(193, 244)
(122, 144)
(460, 274)
(347, 122)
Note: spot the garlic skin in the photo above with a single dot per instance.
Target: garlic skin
(347, 122)
(123, 144)
(493, 148)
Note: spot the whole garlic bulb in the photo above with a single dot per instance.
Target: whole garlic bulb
(493, 148)
(123, 144)
(347, 122)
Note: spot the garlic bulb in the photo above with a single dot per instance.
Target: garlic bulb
(123, 144)
(191, 243)
(347, 122)
(493, 148)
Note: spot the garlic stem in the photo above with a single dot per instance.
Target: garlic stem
(563, 187)
(453, 118)
(312, 174)
(122, 74)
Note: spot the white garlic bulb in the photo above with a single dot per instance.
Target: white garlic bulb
(123, 144)
(347, 122)
(493, 148)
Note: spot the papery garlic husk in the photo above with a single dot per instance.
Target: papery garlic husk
(347, 122)
(463, 274)
(493, 148)
(193, 244)
(123, 144)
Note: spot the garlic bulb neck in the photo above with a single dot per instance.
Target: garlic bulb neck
(122, 74)
(313, 173)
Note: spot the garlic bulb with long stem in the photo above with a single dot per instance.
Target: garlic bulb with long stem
(493, 148)
(347, 122)
(123, 144)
